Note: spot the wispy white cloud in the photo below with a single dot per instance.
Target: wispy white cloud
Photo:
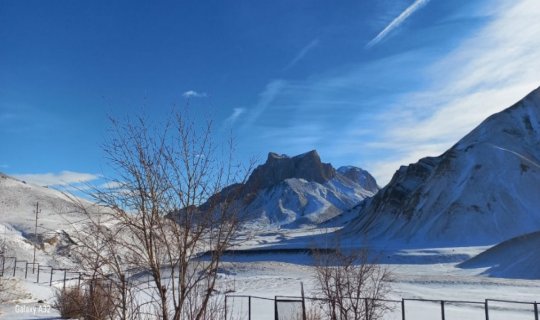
(194, 94)
(310, 46)
(60, 179)
(271, 91)
(417, 4)
(485, 74)
(370, 115)
(237, 112)
(115, 185)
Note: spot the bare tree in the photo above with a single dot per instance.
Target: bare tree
(166, 218)
(351, 287)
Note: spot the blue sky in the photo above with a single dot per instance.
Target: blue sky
(377, 84)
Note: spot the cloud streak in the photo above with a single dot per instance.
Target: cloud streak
(266, 98)
(395, 110)
(485, 74)
(314, 43)
(237, 112)
(397, 22)
(60, 179)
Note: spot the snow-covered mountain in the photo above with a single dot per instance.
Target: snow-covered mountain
(483, 190)
(56, 218)
(293, 191)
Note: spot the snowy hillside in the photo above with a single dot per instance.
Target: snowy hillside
(300, 190)
(18, 203)
(515, 258)
(481, 191)
(17, 218)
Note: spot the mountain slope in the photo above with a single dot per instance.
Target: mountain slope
(293, 191)
(515, 258)
(58, 214)
(483, 190)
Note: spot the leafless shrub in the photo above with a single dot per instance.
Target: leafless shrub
(351, 286)
(94, 302)
(314, 313)
(70, 302)
(100, 299)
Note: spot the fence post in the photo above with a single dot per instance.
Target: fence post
(535, 310)
(486, 307)
(303, 301)
(402, 309)
(366, 306)
(14, 267)
(226, 307)
(65, 277)
(37, 281)
(79, 281)
(50, 281)
(26, 271)
(442, 310)
(249, 308)
(275, 308)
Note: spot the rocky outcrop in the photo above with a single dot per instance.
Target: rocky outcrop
(307, 166)
(292, 191)
(360, 176)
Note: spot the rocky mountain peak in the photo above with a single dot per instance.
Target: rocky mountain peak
(307, 166)
(360, 176)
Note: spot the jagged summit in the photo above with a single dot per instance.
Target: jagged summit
(291, 191)
(483, 190)
(277, 168)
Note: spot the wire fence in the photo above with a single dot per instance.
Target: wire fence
(240, 307)
(247, 307)
(60, 277)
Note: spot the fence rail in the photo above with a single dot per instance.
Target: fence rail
(45, 274)
(404, 305)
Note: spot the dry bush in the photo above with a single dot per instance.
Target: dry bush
(70, 302)
(314, 313)
(351, 286)
(100, 301)
(95, 303)
(10, 290)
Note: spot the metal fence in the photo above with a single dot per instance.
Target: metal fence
(246, 307)
(49, 275)
(240, 307)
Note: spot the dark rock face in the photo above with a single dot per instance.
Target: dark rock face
(278, 168)
(403, 192)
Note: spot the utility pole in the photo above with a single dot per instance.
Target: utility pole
(35, 237)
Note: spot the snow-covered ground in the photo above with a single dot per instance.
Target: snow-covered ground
(419, 273)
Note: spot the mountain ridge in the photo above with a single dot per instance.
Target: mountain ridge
(480, 191)
(293, 191)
